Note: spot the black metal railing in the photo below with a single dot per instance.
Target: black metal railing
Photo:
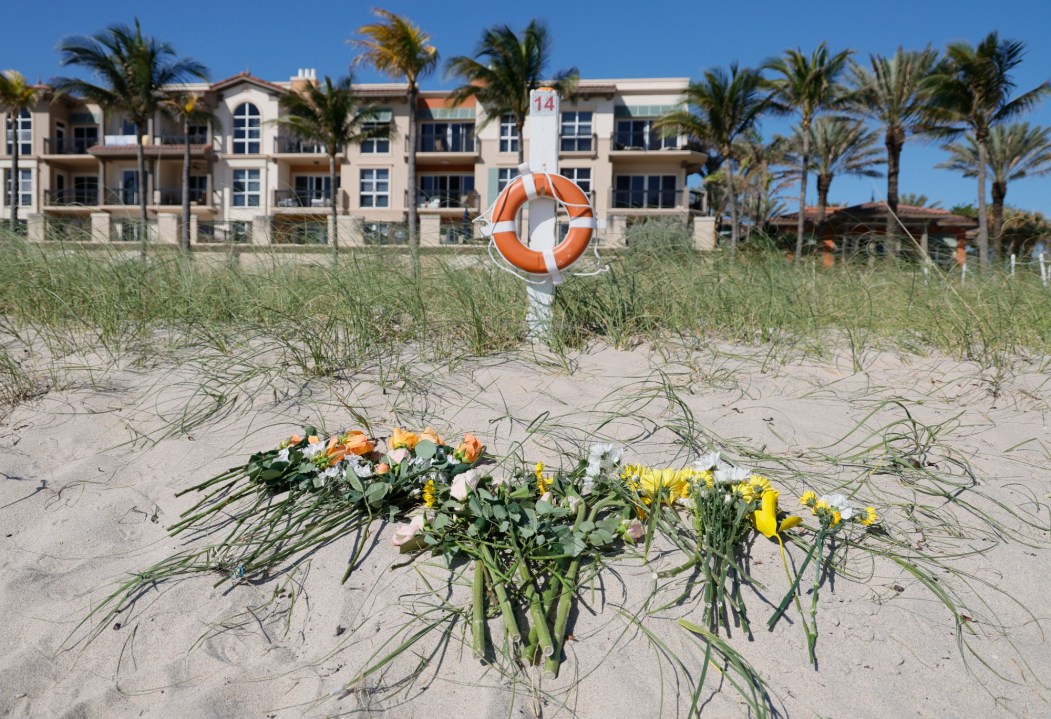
(67, 228)
(211, 231)
(647, 199)
(88, 197)
(464, 142)
(296, 146)
(124, 196)
(174, 197)
(68, 145)
(302, 198)
(635, 140)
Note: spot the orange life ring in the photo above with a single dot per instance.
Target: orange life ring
(528, 187)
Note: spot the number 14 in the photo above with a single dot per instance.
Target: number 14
(544, 102)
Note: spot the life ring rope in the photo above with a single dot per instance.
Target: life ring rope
(490, 229)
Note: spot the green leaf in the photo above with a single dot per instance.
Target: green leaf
(376, 492)
(426, 449)
(441, 521)
(355, 482)
(544, 507)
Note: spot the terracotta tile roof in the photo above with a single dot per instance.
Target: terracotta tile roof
(871, 210)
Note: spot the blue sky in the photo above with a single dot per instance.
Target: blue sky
(609, 39)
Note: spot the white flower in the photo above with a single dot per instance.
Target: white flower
(406, 531)
(635, 531)
(602, 457)
(587, 486)
(461, 482)
(398, 455)
(840, 503)
(312, 450)
(418, 463)
(282, 456)
(363, 470)
(707, 462)
(573, 501)
(725, 474)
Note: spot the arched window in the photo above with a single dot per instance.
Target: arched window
(246, 129)
(24, 127)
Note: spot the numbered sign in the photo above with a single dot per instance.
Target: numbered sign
(544, 102)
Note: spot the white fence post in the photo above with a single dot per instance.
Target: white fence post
(543, 124)
(1012, 264)
(1043, 271)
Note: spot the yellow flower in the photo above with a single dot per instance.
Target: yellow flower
(836, 518)
(543, 484)
(706, 476)
(869, 516)
(538, 471)
(755, 487)
(809, 499)
(429, 496)
(820, 506)
(765, 517)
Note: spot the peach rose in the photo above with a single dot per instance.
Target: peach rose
(406, 531)
(398, 456)
(430, 434)
(357, 443)
(470, 449)
(461, 482)
(382, 468)
(400, 438)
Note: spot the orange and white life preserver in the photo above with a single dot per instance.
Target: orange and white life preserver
(504, 229)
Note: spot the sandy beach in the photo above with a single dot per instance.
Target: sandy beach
(955, 459)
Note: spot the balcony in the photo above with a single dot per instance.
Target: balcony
(447, 205)
(69, 145)
(296, 146)
(120, 197)
(451, 147)
(76, 197)
(173, 198)
(297, 199)
(578, 145)
(649, 146)
(195, 138)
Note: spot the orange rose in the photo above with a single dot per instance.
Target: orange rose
(357, 443)
(382, 468)
(400, 438)
(470, 449)
(312, 439)
(296, 439)
(430, 434)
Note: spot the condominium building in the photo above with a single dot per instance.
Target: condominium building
(252, 181)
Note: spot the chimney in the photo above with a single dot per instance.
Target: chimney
(304, 76)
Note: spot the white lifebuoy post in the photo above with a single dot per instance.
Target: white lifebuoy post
(543, 125)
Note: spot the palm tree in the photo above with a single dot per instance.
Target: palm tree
(970, 91)
(911, 199)
(16, 95)
(729, 105)
(399, 49)
(809, 86)
(331, 116)
(186, 108)
(892, 92)
(133, 71)
(503, 70)
(838, 146)
(1014, 151)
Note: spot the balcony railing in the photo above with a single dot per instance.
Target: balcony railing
(640, 141)
(460, 143)
(209, 231)
(122, 196)
(196, 138)
(68, 145)
(299, 198)
(174, 197)
(72, 197)
(296, 146)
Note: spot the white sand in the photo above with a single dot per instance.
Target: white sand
(85, 499)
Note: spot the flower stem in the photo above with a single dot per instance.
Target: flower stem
(478, 619)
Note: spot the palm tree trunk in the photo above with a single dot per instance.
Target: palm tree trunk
(414, 244)
(894, 144)
(14, 119)
(734, 231)
(335, 208)
(141, 157)
(983, 219)
(999, 195)
(804, 163)
(186, 185)
(824, 184)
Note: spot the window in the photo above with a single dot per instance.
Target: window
(246, 129)
(127, 128)
(375, 188)
(508, 134)
(581, 176)
(641, 135)
(444, 190)
(376, 145)
(198, 134)
(24, 190)
(504, 175)
(246, 188)
(85, 190)
(576, 132)
(25, 133)
(652, 191)
(447, 137)
(84, 136)
(314, 190)
(198, 188)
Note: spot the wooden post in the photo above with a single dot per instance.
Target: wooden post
(543, 125)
